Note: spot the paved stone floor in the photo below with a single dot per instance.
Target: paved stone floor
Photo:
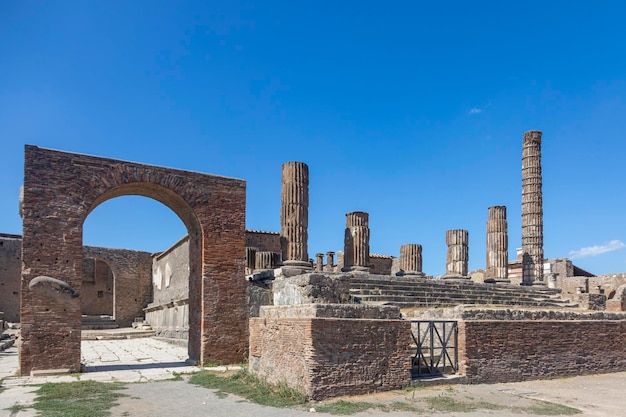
(148, 366)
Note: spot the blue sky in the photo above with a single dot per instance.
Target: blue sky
(412, 111)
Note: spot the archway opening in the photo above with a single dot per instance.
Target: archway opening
(146, 248)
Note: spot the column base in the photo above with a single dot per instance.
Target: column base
(456, 277)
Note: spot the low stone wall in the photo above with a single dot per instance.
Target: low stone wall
(493, 351)
(169, 320)
(325, 357)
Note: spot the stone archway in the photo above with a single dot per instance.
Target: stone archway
(61, 189)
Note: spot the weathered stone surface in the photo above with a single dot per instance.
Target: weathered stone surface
(10, 270)
(52, 288)
(458, 254)
(312, 288)
(411, 259)
(497, 263)
(493, 351)
(266, 260)
(356, 242)
(294, 214)
(338, 311)
(532, 209)
(618, 302)
(512, 314)
(330, 357)
(61, 189)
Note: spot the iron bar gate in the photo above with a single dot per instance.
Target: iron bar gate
(436, 347)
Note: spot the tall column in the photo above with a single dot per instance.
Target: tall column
(497, 265)
(356, 242)
(319, 265)
(411, 259)
(330, 261)
(458, 254)
(532, 210)
(294, 215)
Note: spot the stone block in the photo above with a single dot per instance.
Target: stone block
(326, 288)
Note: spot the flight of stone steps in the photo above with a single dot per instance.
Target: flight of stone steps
(410, 292)
(102, 322)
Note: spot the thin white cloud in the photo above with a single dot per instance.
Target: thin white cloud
(596, 250)
(475, 110)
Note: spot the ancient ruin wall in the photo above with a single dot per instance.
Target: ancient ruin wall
(61, 189)
(97, 287)
(168, 314)
(10, 270)
(131, 270)
(263, 241)
(325, 357)
(493, 351)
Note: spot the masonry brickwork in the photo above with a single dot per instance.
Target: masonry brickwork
(132, 271)
(493, 351)
(10, 270)
(327, 357)
(61, 189)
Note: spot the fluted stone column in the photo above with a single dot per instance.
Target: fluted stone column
(411, 259)
(319, 266)
(458, 254)
(497, 265)
(330, 261)
(294, 215)
(266, 260)
(356, 242)
(532, 210)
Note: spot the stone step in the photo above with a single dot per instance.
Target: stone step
(98, 322)
(422, 292)
(447, 301)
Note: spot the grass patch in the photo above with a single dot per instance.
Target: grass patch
(343, 408)
(403, 406)
(444, 403)
(545, 408)
(250, 387)
(77, 399)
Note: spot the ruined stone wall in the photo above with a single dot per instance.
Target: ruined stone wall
(132, 272)
(263, 241)
(168, 314)
(105, 270)
(493, 351)
(61, 189)
(10, 271)
(326, 357)
(380, 264)
(97, 288)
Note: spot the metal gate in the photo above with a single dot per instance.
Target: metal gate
(436, 348)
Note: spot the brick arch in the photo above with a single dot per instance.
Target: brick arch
(61, 189)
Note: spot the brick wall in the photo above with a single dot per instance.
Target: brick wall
(61, 189)
(97, 288)
(506, 351)
(263, 241)
(326, 357)
(131, 270)
(10, 270)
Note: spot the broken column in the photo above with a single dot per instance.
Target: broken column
(411, 260)
(497, 265)
(319, 266)
(356, 242)
(458, 254)
(330, 261)
(532, 210)
(294, 215)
